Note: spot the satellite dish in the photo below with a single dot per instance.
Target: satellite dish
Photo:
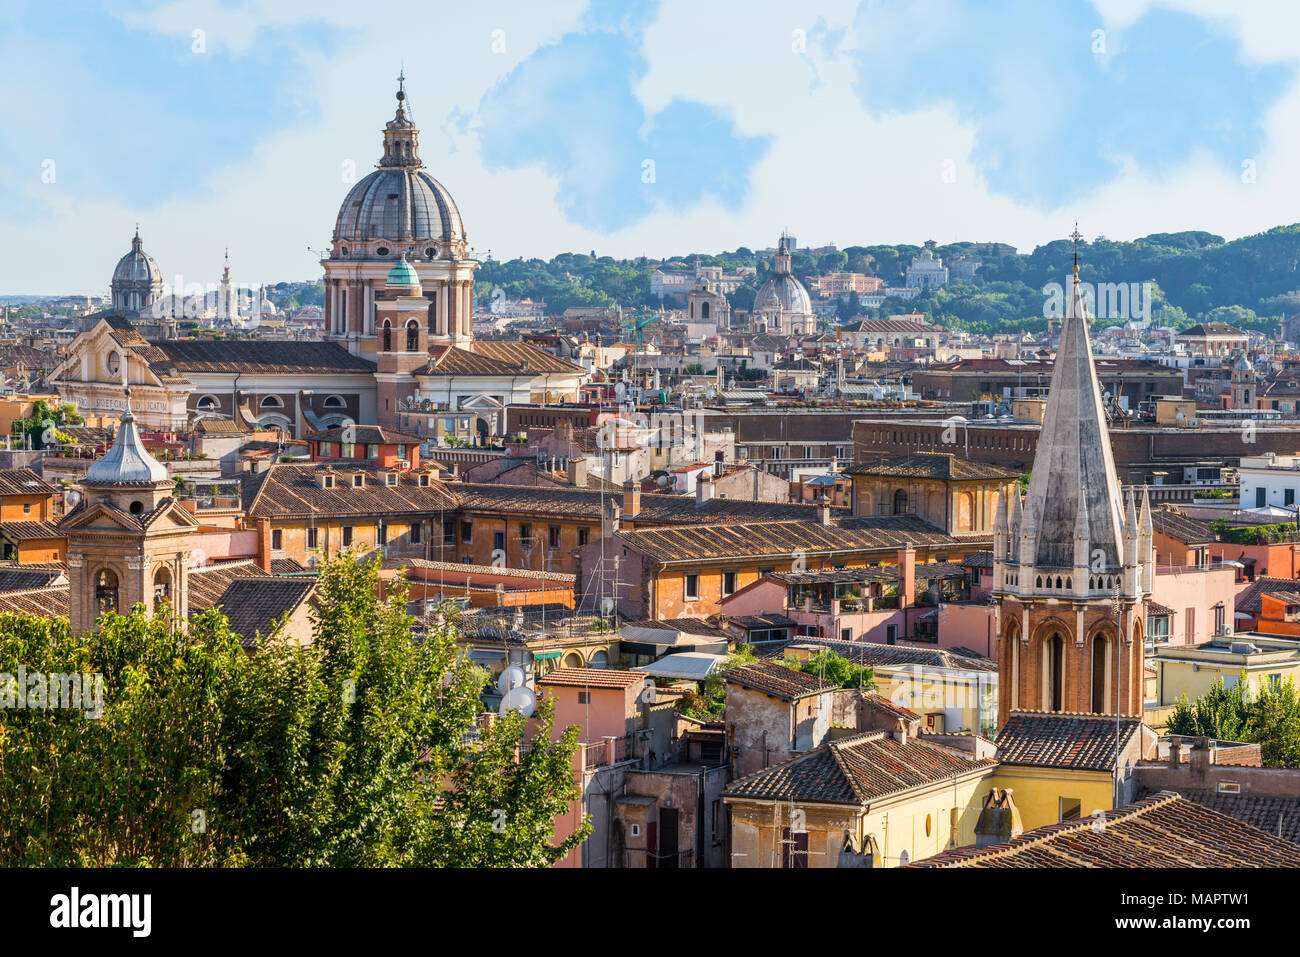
(510, 679)
(518, 699)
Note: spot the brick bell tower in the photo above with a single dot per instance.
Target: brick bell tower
(128, 538)
(1068, 553)
(401, 322)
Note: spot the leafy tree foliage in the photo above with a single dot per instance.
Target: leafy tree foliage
(835, 668)
(1270, 719)
(363, 748)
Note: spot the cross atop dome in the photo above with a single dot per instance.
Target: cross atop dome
(1076, 236)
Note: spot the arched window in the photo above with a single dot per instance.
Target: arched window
(272, 402)
(704, 310)
(105, 592)
(388, 336)
(1054, 673)
(1100, 670)
(900, 502)
(335, 402)
(412, 336)
(208, 403)
(599, 660)
(162, 588)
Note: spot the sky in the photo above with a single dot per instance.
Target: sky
(654, 128)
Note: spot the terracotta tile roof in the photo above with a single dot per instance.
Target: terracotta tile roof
(23, 482)
(884, 656)
(531, 574)
(978, 560)
(857, 771)
(778, 681)
(290, 490)
(260, 357)
(1276, 815)
(592, 678)
(1190, 531)
(50, 602)
(1165, 830)
(655, 509)
(25, 577)
(365, 435)
(253, 604)
(218, 427)
(782, 538)
(29, 531)
(1080, 742)
(515, 354)
(934, 465)
(208, 583)
(1285, 589)
(881, 703)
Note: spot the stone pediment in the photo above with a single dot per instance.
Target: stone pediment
(105, 516)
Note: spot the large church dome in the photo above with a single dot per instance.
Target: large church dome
(137, 280)
(783, 294)
(399, 207)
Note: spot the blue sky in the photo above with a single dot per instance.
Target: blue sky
(637, 128)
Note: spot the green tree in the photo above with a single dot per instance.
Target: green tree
(362, 748)
(835, 668)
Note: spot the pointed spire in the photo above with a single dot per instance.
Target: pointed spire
(1074, 469)
(1144, 525)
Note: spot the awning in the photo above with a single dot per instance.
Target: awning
(688, 666)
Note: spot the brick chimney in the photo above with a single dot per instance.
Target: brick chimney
(906, 576)
(631, 499)
(264, 544)
(703, 489)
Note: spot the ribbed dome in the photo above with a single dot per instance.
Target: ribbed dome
(782, 294)
(137, 265)
(128, 461)
(401, 204)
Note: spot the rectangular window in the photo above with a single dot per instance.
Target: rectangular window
(347, 535)
(391, 478)
(381, 533)
(1259, 498)
(1288, 496)
(728, 583)
(1218, 618)
(358, 481)
(413, 532)
(348, 450)
(277, 537)
(326, 450)
(372, 451)
(553, 537)
(449, 531)
(846, 634)
(795, 845)
(584, 697)
(525, 535)
(582, 537)
(311, 538)
(891, 634)
(691, 587)
(498, 543)
(467, 532)
(1070, 809)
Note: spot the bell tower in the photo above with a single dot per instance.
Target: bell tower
(1073, 564)
(402, 323)
(128, 538)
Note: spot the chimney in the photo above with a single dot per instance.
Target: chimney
(1175, 751)
(578, 472)
(614, 513)
(631, 499)
(907, 576)
(1200, 759)
(264, 544)
(703, 489)
(501, 595)
(999, 820)
(823, 510)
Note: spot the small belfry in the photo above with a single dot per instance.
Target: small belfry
(1073, 563)
(128, 538)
